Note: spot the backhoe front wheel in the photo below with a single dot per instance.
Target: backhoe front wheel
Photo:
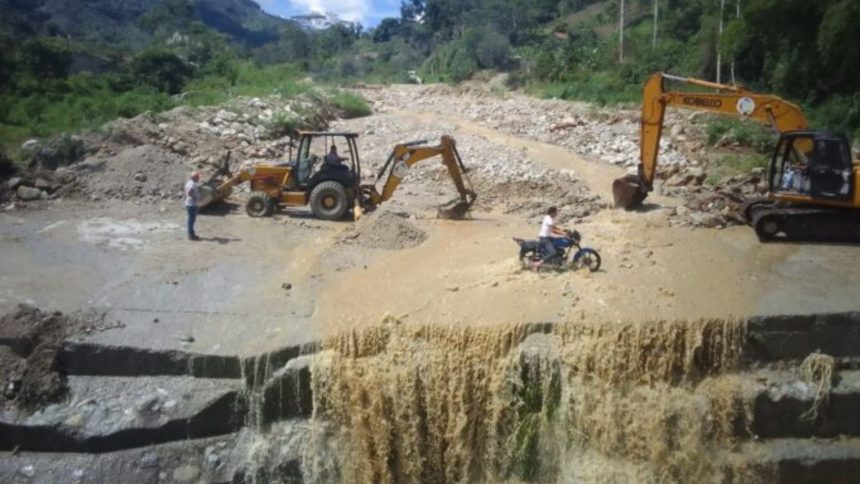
(260, 205)
(329, 201)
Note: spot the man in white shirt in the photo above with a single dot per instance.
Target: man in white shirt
(192, 198)
(548, 231)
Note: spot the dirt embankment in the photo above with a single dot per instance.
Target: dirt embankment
(30, 340)
(146, 158)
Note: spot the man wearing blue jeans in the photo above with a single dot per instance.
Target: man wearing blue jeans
(192, 197)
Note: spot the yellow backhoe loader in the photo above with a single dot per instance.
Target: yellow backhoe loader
(813, 184)
(332, 185)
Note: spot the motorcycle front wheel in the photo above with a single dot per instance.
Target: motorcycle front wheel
(586, 257)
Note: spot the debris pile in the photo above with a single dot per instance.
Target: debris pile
(504, 179)
(610, 135)
(148, 157)
(29, 342)
(719, 206)
(384, 230)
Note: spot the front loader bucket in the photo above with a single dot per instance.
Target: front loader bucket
(209, 195)
(629, 191)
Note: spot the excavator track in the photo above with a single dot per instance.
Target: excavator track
(803, 223)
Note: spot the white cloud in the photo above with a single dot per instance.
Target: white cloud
(365, 11)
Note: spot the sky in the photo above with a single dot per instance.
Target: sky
(367, 12)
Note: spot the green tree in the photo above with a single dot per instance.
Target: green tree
(162, 70)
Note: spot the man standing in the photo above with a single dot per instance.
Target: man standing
(192, 198)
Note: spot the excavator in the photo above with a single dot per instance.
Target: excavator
(331, 186)
(813, 183)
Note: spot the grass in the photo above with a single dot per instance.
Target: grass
(720, 130)
(726, 165)
(86, 102)
(350, 105)
(601, 88)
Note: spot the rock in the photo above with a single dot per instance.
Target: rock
(696, 175)
(705, 219)
(60, 150)
(682, 211)
(287, 286)
(213, 461)
(30, 145)
(694, 117)
(676, 180)
(228, 116)
(75, 421)
(186, 473)
(27, 471)
(148, 404)
(63, 175)
(43, 184)
(149, 459)
(14, 182)
(676, 130)
(139, 177)
(186, 338)
(29, 193)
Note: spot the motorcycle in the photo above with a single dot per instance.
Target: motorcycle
(532, 252)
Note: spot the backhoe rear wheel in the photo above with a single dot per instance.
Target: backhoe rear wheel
(329, 201)
(260, 205)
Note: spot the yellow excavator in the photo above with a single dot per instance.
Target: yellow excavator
(332, 185)
(813, 183)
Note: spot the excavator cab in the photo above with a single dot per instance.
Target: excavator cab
(815, 164)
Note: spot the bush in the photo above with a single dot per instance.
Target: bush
(350, 105)
(746, 133)
(840, 114)
(162, 70)
(281, 125)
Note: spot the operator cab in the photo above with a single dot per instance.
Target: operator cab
(314, 164)
(812, 163)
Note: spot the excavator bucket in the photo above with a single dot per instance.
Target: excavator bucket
(628, 192)
(455, 211)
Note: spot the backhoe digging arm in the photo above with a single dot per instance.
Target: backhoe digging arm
(730, 100)
(405, 155)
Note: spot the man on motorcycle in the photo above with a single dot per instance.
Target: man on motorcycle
(548, 231)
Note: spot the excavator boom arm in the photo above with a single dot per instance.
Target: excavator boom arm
(730, 100)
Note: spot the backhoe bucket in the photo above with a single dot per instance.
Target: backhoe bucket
(457, 211)
(628, 192)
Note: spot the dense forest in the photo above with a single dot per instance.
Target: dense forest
(52, 79)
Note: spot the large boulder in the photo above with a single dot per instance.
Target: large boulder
(29, 193)
(57, 151)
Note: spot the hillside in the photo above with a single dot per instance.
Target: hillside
(133, 23)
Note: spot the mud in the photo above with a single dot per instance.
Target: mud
(30, 342)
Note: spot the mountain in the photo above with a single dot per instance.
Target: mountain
(132, 23)
(319, 21)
